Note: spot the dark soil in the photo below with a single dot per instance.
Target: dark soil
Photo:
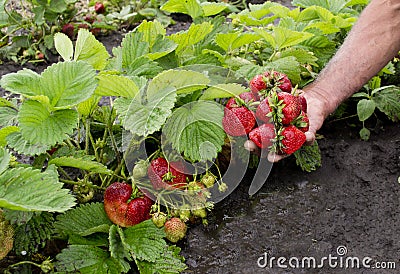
(353, 200)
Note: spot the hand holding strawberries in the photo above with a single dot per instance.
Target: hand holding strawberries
(281, 113)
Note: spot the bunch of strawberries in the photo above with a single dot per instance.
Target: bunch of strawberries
(273, 115)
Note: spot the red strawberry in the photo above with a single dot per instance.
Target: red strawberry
(263, 110)
(238, 121)
(291, 107)
(303, 103)
(163, 175)
(269, 80)
(68, 29)
(263, 135)
(257, 83)
(292, 139)
(282, 81)
(303, 123)
(99, 8)
(175, 229)
(122, 212)
(90, 18)
(244, 98)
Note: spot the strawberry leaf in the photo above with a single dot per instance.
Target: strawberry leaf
(210, 9)
(29, 189)
(116, 85)
(4, 132)
(16, 141)
(365, 108)
(148, 117)
(222, 91)
(68, 83)
(145, 240)
(168, 262)
(88, 259)
(189, 7)
(184, 81)
(80, 163)
(196, 130)
(4, 159)
(64, 46)
(8, 116)
(387, 100)
(234, 40)
(83, 220)
(25, 82)
(40, 126)
(90, 50)
(308, 157)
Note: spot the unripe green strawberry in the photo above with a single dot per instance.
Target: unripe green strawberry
(175, 229)
(140, 170)
(184, 213)
(208, 180)
(159, 219)
(200, 212)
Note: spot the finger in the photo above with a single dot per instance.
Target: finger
(310, 137)
(274, 158)
(252, 147)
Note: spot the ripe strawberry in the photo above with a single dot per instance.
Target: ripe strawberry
(244, 98)
(257, 83)
(263, 110)
(122, 212)
(261, 83)
(290, 107)
(99, 8)
(164, 176)
(303, 103)
(90, 18)
(263, 135)
(68, 29)
(175, 229)
(238, 121)
(303, 123)
(292, 139)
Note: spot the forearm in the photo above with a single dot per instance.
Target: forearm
(370, 45)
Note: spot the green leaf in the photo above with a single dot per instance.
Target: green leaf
(288, 65)
(151, 30)
(33, 235)
(116, 85)
(8, 116)
(365, 108)
(4, 159)
(143, 66)
(88, 260)
(3, 14)
(83, 220)
(169, 262)
(64, 46)
(223, 91)
(25, 82)
(118, 247)
(39, 126)
(365, 133)
(161, 47)
(387, 100)
(145, 240)
(235, 40)
(16, 141)
(80, 163)
(334, 6)
(184, 81)
(86, 108)
(189, 7)
(4, 132)
(68, 83)
(133, 47)
(281, 38)
(210, 9)
(196, 130)
(29, 189)
(195, 34)
(144, 119)
(90, 50)
(309, 157)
